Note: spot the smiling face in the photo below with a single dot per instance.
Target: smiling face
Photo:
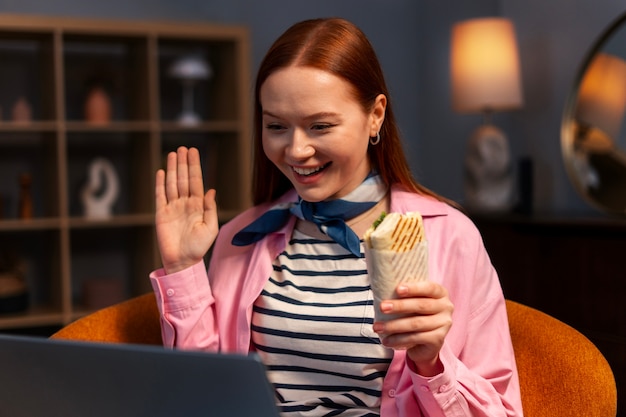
(315, 131)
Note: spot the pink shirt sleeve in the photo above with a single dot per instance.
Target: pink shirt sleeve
(187, 305)
(488, 389)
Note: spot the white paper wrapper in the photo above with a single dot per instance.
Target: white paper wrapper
(388, 269)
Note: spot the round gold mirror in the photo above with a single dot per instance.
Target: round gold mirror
(593, 131)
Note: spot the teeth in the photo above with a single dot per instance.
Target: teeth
(306, 171)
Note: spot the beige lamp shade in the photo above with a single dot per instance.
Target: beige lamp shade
(485, 67)
(602, 95)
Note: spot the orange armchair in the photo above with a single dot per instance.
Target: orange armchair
(562, 374)
(133, 321)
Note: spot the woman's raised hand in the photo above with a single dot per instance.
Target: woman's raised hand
(186, 217)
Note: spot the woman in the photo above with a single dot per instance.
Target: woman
(287, 278)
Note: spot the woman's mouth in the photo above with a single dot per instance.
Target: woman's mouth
(307, 172)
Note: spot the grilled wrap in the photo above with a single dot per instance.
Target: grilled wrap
(396, 251)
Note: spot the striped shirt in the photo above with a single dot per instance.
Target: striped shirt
(312, 327)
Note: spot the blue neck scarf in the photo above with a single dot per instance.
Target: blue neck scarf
(329, 216)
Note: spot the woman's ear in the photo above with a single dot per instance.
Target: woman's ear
(377, 115)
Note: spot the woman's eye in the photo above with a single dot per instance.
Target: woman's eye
(322, 126)
(274, 126)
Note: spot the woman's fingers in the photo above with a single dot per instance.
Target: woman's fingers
(182, 172)
(425, 311)
(210, 209)
(196, 184)
(159, 189)
(171, 177)
(424, 297)
(182, 177)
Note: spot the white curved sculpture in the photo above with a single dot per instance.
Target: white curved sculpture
(101, 190)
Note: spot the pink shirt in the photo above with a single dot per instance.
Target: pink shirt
(213, 312)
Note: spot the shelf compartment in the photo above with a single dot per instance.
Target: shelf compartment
(116, 64)
(128, 152)
(33, 154)
(109, 265)
(27, 72)
(215, 98)
(36, 253)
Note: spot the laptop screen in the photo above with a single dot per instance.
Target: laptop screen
(43, 377)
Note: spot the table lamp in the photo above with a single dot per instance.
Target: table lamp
(485, 75)
(189, 69)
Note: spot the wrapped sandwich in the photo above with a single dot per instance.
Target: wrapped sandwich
(396, 251)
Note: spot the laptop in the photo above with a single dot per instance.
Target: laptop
(58, 378)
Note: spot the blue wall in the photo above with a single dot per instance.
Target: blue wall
(412, 40)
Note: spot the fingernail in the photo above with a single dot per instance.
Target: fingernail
(386, 307)
(402, 290)
(378, 327)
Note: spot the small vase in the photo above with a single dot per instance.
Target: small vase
(21, 111)
(98, 107)
(26, 199)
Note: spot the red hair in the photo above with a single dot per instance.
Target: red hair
(340, 48)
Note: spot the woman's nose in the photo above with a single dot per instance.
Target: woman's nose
(300, 147)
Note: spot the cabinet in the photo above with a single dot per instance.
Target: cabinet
(571, 268)
(53, 64)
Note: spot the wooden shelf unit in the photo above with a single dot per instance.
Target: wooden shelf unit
(52, 63)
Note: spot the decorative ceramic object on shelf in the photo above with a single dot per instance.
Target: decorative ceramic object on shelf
(190, 69)
(26, 198)
(101, 190)
(22, 112)
(488, 172)
(98, 106)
